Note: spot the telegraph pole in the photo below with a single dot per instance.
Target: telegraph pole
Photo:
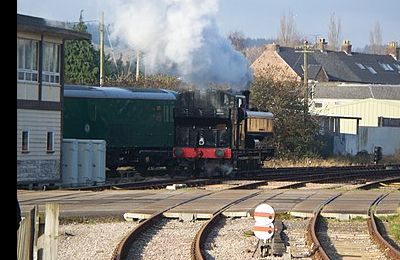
(137, 64)
(305, 49)
(102, 49)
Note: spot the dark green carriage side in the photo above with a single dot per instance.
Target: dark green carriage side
(137, 124)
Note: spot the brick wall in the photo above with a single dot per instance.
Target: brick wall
(270, 64)
(38, 170)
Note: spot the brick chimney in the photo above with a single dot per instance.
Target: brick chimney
(346, 47)
(393, 50)
(321, 44)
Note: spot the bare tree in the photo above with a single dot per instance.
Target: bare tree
(252, 53)
(334, 32)
(375, 39)
(237, 40)
(288, 35)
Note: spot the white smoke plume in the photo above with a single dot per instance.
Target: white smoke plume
(181, 37)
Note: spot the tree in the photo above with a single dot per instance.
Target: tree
(295, 131)
(81, 59)
(252, 53)
(335, 29)
(375, 39)
(288, 35)
(237, 40)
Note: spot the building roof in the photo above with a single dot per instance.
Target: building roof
(387, 92)
(339, 66)
(39, 25)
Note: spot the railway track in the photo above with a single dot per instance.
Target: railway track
(300, 174)
(122, 250)
(337, 240)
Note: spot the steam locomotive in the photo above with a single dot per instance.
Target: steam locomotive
(216, 133)
(211, 132)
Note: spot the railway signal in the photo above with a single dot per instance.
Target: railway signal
(264, 229)
(377, 154)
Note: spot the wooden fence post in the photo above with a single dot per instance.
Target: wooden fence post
(51, 232)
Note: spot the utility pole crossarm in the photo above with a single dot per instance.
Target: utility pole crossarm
(305, 49)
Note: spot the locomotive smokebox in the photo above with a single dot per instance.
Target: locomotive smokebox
(246, 93)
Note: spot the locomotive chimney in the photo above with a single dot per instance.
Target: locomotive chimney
(246, 93)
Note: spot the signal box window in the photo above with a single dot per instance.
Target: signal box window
(27, 60)
(51, 63)
(25, 141)
(50, 142)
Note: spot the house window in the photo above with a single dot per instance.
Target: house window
(386, 67)
(27, 60)
(388, 122)
(371, 70)
(360, 66)
(25, 141)
(51, 63)
(50, 142)
(317, 104)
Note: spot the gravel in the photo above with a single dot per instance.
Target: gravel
(168, 239)
(91, 240)
(347, 238)
(228, 241)
(295, 237)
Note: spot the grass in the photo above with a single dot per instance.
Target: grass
(361, 159)
(394, 224)
(284, 216)
(90, 220)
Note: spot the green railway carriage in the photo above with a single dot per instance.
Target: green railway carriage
(137, 124)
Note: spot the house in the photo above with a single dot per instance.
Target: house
(356, 96)
(330, 66)
(40, 80)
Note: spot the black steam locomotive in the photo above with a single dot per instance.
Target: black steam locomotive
(216, 133)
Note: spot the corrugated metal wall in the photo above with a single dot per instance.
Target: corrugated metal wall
(369, 110)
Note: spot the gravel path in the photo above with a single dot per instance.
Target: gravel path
(84, 241)
(168, 239)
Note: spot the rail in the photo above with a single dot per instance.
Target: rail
(373, 230)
